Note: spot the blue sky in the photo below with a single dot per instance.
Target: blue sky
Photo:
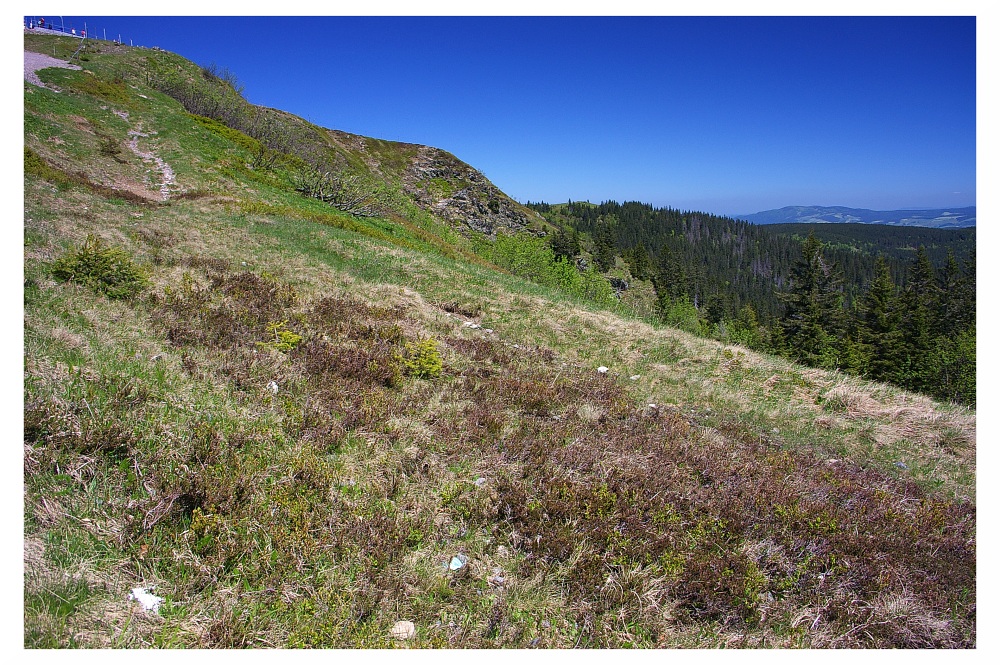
(720, 114)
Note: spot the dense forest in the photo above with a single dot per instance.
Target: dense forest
(895, 304)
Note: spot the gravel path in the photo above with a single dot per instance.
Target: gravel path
(35, 61)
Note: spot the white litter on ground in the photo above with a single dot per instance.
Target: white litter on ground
(273, 387)
(149, 602)
(602, 369)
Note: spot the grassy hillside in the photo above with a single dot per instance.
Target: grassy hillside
(300, 426)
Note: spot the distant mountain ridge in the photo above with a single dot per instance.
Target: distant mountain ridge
(936, 218)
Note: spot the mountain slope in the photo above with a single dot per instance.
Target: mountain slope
(299, 426)
(938, 218)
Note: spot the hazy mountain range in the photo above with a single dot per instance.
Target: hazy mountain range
(939, 218)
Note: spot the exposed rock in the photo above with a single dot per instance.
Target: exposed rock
(450, 188)
(618, 284)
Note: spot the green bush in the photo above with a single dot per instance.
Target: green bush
(114, 91)
(681, 313)
(283, 338)
(106, 270)
(421, 359)
(532, 258)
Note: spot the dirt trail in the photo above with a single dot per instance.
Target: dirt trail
(164, 168)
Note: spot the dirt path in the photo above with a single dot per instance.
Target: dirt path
(164, 168)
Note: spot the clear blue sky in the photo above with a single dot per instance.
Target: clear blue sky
(725, 115)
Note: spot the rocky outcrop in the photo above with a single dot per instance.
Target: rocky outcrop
(449, 188)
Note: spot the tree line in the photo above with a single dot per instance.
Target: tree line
(869, 301)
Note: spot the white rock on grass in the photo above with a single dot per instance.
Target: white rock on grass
(602, 369)
(149, 602)
(404, 630)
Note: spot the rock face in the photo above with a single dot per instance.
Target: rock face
(450, 188)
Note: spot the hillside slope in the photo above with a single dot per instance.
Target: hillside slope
(300, 427)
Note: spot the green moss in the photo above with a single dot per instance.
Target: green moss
(35, 165)
(280, 337)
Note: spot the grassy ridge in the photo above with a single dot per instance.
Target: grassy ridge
(262, 433)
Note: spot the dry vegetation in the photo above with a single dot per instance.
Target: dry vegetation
(589, 518)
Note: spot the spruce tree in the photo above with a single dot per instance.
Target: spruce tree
(813, 323)
(565, 246)
(640, 265)
(604, 246)
(877, 326)
(670, 280)
(920, 301)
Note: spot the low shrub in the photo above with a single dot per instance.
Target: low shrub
(106, 270)
(280, 337)
(421, 359)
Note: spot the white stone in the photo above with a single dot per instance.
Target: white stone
(602, 369)
(404, 630)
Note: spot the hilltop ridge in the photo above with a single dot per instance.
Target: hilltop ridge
(938, 218)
